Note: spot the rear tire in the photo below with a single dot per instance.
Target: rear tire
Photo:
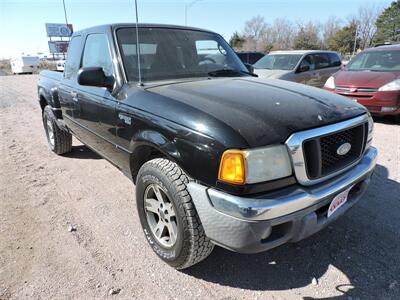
(59, 141)
(168, 216)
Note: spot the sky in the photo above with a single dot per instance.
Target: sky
(22, 22)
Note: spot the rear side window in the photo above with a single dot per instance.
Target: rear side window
(97, 53)
(335, 60)
(321, 60)
(73, 57)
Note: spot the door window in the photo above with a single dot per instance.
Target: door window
(73, 58)
(308, 60)
(335, 60)
(321, 60)
(97, 53)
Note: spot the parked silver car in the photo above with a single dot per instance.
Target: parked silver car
(312, 67)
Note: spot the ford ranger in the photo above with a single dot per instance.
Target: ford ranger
(218, 156)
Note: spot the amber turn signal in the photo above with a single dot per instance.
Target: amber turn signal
(232, 168)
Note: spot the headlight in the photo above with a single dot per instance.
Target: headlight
(330, 83)
(391, 86)
(256, 165)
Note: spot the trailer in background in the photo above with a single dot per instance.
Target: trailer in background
(24, 64)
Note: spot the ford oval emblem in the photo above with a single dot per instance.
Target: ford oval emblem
(343, 149)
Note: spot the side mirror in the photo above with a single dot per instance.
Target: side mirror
(303, 68)
(94, 76)
(250, 68)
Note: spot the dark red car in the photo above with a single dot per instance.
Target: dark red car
(371, 78)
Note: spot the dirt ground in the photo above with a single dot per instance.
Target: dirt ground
(41, 194)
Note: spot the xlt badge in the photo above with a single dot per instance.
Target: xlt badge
(126, 119)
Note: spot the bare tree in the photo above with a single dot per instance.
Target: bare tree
(254, 32)
(282, 33)
(365, 19)
(330, 29)
(308, 36)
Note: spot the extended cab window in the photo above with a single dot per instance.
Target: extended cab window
(73, 58)
(97, 53)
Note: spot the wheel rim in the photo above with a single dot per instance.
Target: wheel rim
(50, 131)
(160, 215)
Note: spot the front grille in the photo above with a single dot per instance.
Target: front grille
(320, 153)
(357, 96)
(355, 89)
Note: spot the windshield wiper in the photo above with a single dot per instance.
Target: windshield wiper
(228, 73)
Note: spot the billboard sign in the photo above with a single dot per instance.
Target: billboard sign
(59, 30)
(58, 46)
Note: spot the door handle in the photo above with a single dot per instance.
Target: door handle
(74, 96)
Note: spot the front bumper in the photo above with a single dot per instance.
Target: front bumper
(251, 225)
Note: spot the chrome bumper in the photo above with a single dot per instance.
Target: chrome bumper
(252, 225)
(285, 202)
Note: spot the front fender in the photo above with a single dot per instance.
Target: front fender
(196, 154)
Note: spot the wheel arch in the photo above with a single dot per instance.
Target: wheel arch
(48, 97)
(150, 144)
(43, 99)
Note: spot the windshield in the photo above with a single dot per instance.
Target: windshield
(278, 62)
(382, 61)
(167, 53)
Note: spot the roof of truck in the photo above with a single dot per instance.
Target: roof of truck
(105, 27)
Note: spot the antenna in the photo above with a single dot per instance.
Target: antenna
(137, 45)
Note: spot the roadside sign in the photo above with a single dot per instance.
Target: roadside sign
(58, 46)
(59, 30)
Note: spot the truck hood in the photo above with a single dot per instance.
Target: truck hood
(265, 73)
(261, 111)
(365, 79)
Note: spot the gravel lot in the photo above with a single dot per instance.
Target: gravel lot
(41, 194)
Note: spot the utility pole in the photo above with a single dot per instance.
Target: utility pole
(187, 6)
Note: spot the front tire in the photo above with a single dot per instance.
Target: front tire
(168, 216)
(59, 141)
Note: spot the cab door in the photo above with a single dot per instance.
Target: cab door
(96, 105)
(68, 85)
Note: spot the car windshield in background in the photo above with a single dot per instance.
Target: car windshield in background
(381, 61)
(278, 62)
(176, 53)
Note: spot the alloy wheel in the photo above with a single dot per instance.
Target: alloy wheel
(160, 215)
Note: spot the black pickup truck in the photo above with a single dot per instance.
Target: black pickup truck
(218, 156)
